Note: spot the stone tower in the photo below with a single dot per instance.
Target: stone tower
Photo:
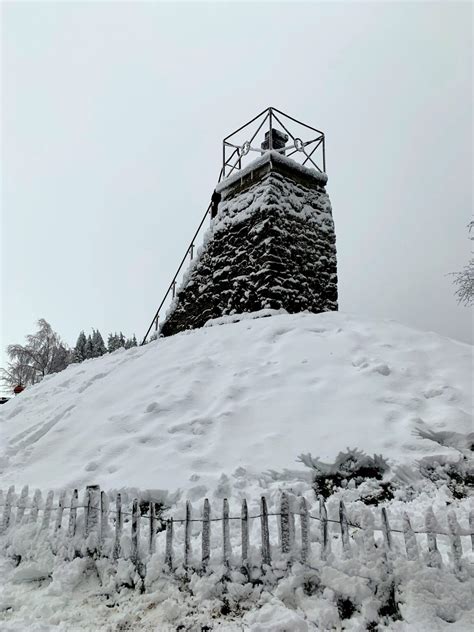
(271, 243)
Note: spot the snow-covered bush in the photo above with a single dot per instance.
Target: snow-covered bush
(458, 476)
(352, 465)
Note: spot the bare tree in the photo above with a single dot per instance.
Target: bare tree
(43, 353)
(464, 280)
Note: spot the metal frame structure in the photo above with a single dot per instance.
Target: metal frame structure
(233, 153)
(233, 159)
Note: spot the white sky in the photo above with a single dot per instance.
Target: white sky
(112, 121)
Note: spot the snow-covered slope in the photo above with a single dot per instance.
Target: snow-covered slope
(254, 394)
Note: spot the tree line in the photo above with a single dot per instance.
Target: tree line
(44, 353)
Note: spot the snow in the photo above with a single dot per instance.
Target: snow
(252, 394)
(275, 157)
(223, 412)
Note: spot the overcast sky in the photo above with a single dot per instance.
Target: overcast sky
(112, 120)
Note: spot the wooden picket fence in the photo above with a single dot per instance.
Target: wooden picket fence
(96, 529)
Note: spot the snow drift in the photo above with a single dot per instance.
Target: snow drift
(237, 397)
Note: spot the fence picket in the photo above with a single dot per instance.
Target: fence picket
(187, 534)
(118, 527)
(152, 528)
(368, 533)
(411, 545)
(471, 526)
(291, 505)
(59, 512)
(206, 534)
(305, 540)
(47, 511)
(325, 541)
(71, 529)
(22, 503)
(7, 510)
(387, 534)
(226, 548)
(433, 557)
(169, 544)
(104, 518)
(456, 546)
(285, 523)
(135, 534)
(244, 525)
(266, 554)
(35, 505)
(344, 523)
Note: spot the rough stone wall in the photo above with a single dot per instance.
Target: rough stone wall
(272, 245)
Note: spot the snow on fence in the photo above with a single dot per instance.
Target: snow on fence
(93, 528)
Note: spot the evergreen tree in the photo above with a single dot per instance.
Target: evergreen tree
(98, 346)
(131, 342)
(113, 343)
(79, 349)
(121, 340)
(88, 349)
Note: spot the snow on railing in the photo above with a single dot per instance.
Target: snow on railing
(99, 532)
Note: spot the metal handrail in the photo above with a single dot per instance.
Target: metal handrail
(172, 285)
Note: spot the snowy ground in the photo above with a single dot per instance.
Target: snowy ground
(224, 412)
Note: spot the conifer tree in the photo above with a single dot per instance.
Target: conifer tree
(98, 346)
(79, 350)
(88, 349)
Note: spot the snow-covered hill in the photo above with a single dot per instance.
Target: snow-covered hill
(236, 399)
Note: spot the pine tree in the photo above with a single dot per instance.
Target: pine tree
(88, 348)
(112, 343)
(98, 346)
(79, 349)
(121, 340)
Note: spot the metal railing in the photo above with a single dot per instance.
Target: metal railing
(237, 145)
